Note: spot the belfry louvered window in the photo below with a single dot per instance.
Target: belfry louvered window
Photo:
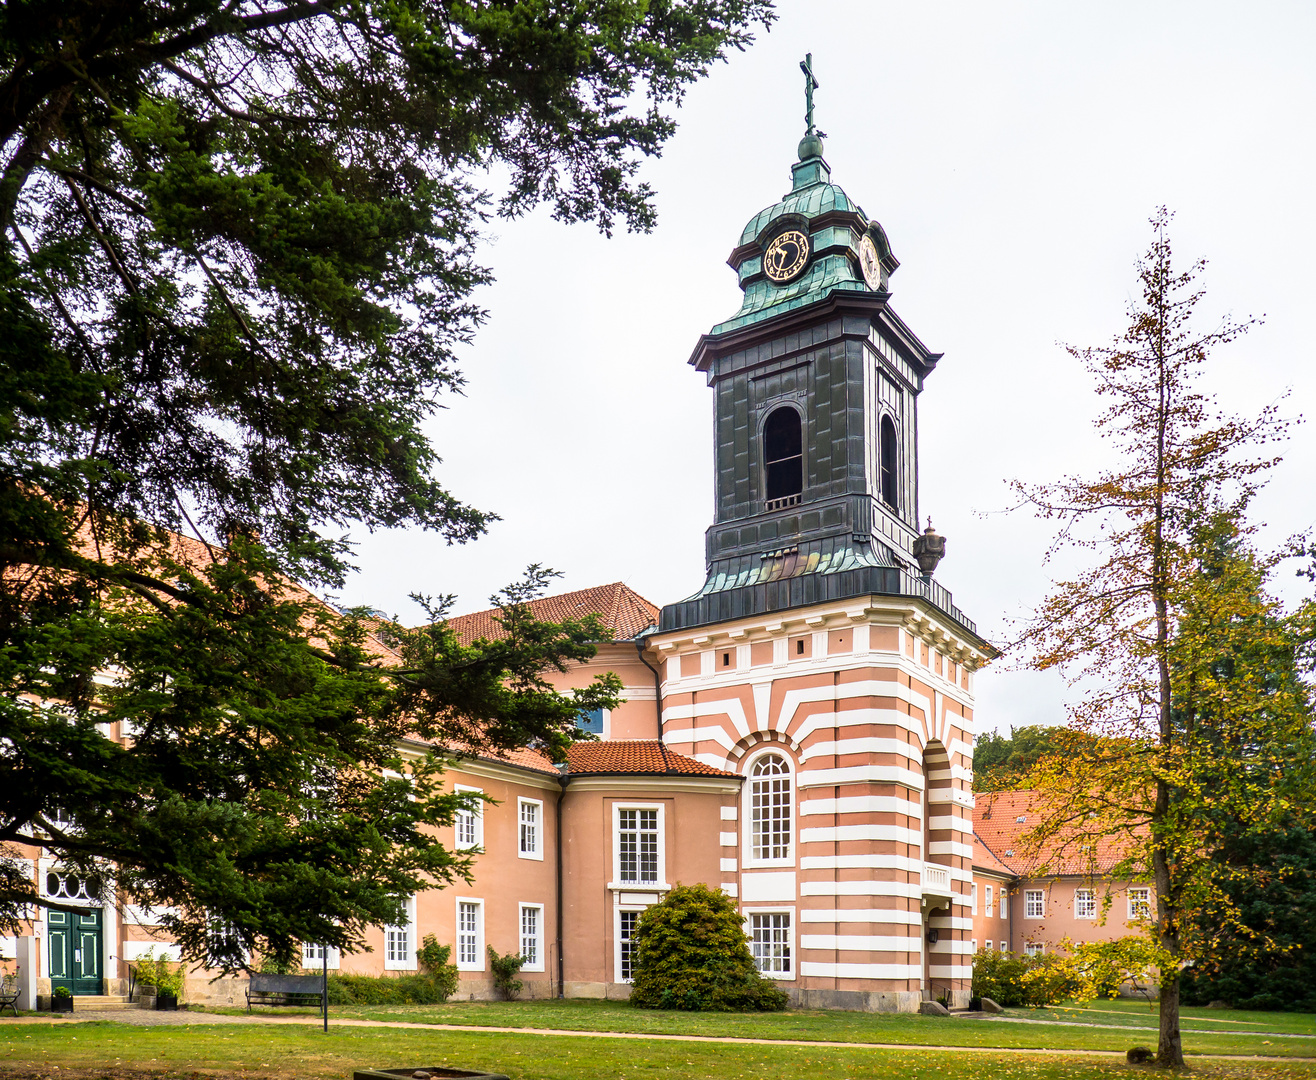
(783, 458)
(770, 808)
(890, 464)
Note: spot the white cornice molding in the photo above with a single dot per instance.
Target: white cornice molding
(512, 774)
(724, 679)
(916, 615)
(630, 782)
(681, 782)
(413, 750)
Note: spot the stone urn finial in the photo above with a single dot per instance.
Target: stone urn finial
(929, 549)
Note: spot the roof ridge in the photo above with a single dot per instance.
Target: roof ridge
(615, 614)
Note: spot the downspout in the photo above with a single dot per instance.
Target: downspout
(1009, 908)
(562, 790)
(657, 695)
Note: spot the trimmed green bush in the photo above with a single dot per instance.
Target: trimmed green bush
(504, 973)
(691, 952)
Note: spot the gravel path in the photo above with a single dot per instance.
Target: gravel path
(136, 1017)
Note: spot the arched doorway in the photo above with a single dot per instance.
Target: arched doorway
(936, 888)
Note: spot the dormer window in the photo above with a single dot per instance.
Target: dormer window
(890, 465)
(783, 456)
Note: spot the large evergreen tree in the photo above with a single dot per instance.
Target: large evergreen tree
(239, 246)
(1263, 956)
(1250, 930)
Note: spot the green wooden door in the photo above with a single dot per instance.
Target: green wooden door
(76, 944)
(59, 943)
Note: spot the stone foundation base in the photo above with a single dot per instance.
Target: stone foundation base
(876, 1001)
(201, 991)
(600, 991)
(483, 990)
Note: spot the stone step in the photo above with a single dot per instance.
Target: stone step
(103, 1003)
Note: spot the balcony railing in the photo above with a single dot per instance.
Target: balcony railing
(936, 879)
(781, 504)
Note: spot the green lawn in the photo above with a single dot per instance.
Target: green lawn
(835, 1026)
(1140, 1014)
(94, 1050)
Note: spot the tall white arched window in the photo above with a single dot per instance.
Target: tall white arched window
(771, 809)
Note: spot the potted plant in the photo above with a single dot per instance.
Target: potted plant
(157, 978)
(144, 989)
(61, 999)
(168, 985)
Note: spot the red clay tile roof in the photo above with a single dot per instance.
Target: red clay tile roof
(525, 758)
(621, 609)
(197, 555)
(613, 757)
(997, 826)
(634, 756)
(985, 859)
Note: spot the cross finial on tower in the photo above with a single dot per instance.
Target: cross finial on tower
(810, 85)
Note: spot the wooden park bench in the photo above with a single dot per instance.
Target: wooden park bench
(9, 993)
(285, 990)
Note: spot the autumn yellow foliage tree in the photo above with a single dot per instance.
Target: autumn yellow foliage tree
(1168, 636)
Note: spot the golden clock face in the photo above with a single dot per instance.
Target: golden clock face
(785, 257)
(870, 264)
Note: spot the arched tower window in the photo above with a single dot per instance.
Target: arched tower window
(890, 465)
(771, 808)
(783, 454)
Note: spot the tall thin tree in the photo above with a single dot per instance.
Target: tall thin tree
(1116, 629)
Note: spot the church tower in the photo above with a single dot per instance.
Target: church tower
(820, 660)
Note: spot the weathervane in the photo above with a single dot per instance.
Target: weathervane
(810, 85)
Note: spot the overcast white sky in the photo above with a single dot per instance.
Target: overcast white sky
(1013, 152)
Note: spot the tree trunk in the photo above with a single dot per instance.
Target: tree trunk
(1169, 1050)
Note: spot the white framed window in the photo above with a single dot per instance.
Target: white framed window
(1085, 904)
(532, 937)
(530, 828)
(1005, 907)
(1034, 948)
(638, 854)
(470, 935)
(772, 942)
(595, 721)
(627, 920)
(469, 825)
(973, 942)
(321, 792)
(987, 895)
(771, 816)
(313, 957)
(223, 943)
(1005, 946)
(400, 942)
(69, 886)
(1034, 904)
(973, 898)
(1140, 903)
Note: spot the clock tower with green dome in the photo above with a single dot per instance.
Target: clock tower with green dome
(821, 661)
(816, 381)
